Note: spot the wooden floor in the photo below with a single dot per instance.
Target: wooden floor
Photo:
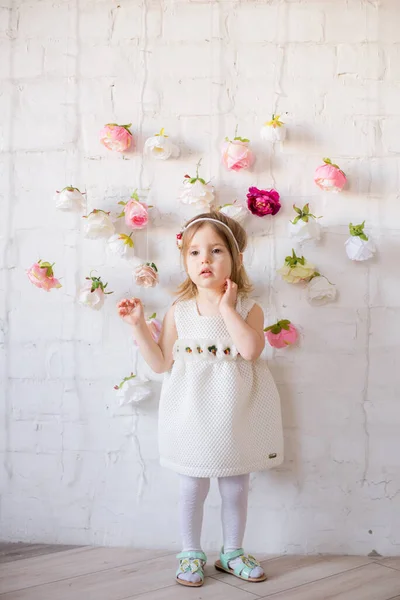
(41, 572)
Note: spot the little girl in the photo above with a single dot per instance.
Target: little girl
(219, 408)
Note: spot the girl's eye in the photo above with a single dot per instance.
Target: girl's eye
(194, 252)
(217, 250)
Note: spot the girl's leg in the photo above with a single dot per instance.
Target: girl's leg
(234, 495)
(193, 492)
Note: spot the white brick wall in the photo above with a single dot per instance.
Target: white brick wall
(76, 468)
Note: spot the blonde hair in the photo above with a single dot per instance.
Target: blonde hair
(187, 288)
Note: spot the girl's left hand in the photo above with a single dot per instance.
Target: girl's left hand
(229, 295)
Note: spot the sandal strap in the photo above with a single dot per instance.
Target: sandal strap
(225, 557)
(192, 554)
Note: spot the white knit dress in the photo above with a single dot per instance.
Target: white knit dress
(219, 414)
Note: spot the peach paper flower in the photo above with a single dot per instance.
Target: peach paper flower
(146, 275)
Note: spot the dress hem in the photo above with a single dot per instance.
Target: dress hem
(230, 472)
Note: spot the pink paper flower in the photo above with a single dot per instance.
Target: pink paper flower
(263, 202)
(41, 274)
(135, 212)
(329, 177)
(154, 326)
(282, 334)
(146, 275)
(236, 154)
(116, 137)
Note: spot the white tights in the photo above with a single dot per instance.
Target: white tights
(234, 494)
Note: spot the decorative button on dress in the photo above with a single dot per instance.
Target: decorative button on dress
(219, 414)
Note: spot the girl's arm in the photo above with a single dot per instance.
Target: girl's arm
(248, 336)
(158, 356)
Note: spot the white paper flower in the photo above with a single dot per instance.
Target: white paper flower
(303, 232)
(359, 246)
(320, 291)
(357, 249)
(305, 225)
(235, 211)
(70, 199)
(160, 147)
(98, 225)
(91, 299)
(199, 193)
(196, 191)
(132, 390)
(274, 130)
(122, 245)
(93, 292)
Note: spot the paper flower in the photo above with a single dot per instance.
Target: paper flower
(121, 244)
(234, 211)
(116, 137)
(263, 202)
(236, 154)
(282, 334)
(146, 275)
(304, 226)
(160, 147)
(41, 274)
(70, 199)
(98, 225)
(179, 240)
(329, 177)
(274, 130)
(132, 390)
(92, 294)
(196, 191)
(358, 245)
(297, 269)
(320, 291)
(135, 212)
(154, 326)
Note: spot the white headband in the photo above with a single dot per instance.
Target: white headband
(215, 221)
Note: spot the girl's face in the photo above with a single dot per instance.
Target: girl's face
(208, 260)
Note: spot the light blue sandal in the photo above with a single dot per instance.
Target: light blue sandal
(242, 570)
(191, 562)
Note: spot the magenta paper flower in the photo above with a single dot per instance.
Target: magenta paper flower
(236, 154)
(116, 137)
(282, 334)
(135, 212)
(263, 202)
(329, 177)
(41, 274)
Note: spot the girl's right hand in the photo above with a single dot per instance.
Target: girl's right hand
(131, 311)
